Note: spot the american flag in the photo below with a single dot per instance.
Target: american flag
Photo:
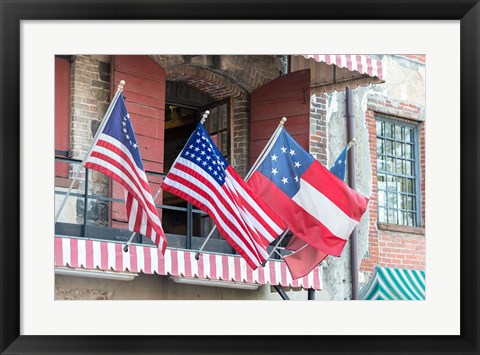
(116, 155)
(202, 176)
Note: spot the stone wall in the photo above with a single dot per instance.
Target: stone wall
(401, 97)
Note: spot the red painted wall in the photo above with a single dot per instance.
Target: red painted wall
(289, 96)
(144, 94)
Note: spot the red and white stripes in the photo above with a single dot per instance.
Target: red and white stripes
(360, 63)
(91, 254)
(241, 218)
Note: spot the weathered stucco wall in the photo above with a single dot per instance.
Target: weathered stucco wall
(402, 96)
(337, 276)
(155, 287)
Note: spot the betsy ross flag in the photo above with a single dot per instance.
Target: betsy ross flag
(306, 257)
(116, 155)
(202, 176)
(318, 207)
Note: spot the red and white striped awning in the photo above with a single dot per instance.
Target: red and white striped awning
(108, 256)
(360, 63)
(329, 72)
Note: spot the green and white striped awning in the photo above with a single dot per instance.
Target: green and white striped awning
(395, 284)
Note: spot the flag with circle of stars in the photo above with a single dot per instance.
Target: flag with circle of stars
(120, 127)
(201, 151)
(285, 164)
(115, 153)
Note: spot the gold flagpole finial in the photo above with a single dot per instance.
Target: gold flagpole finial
(204, 117)
(282, 121)
(121, 84)
(351, 143)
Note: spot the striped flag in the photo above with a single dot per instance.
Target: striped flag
(202, 176)
(318, 207)
(306, 257)
(116, 155)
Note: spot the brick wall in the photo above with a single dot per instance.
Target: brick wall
(318, 128)
(241, 115)
(393, 245)
(90, 97)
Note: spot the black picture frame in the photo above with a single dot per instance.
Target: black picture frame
(12, 12)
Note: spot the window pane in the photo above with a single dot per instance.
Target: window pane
(411, 219)
(399, 133)
(402, 202)
(214, 119)
(382, 181)
(223, 116)
(410, 186)
(391, 165)
(224, 143)
(400, 166)
(409, 134)
(381, 163)
(380, 128)
(389, 130)
(400, 218)
(391, 183)
(409, 168)
(399, 149)
(392, 200)
(382, 215)
(411, 203)
(409, 151)
(382, 198)
(380, 146)
(402, 184)
(389, 147)
(392, 216)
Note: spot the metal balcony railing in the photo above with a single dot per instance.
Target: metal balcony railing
(78, 225)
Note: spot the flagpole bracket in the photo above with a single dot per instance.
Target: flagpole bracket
(351, 143)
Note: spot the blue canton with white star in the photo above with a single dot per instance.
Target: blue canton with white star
(201, 150)
(285, 164)
(120, 128)
(339, 166)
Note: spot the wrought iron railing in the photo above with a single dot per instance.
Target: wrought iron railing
(82, 228)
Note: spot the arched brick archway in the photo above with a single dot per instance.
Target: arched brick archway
(221, 77)
(232, 73)
(214, 84)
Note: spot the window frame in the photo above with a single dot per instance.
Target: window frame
(228, 101)
(417, 163)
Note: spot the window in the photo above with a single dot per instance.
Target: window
(397, 173)
(218, 126)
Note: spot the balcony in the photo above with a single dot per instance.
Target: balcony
(91, 234)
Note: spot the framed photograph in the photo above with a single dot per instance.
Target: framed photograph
(229, 71)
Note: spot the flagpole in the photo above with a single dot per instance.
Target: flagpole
(125, 248)
(275, 247)
(95, 139)
(249, 174)
(266, 148)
